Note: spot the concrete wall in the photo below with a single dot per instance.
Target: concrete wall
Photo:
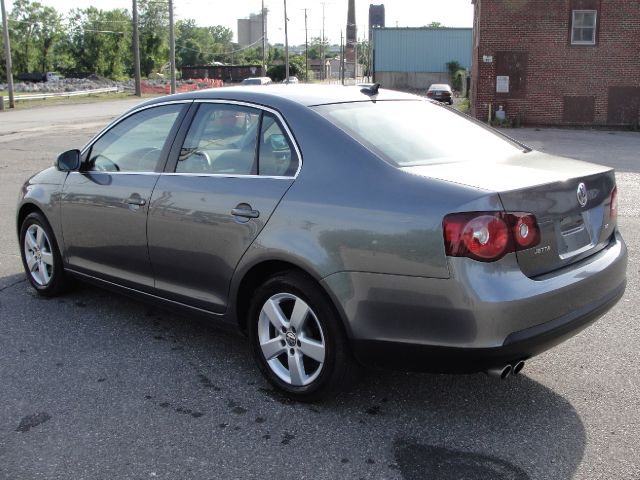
(411, 79)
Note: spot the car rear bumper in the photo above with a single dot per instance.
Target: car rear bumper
(484, 316)
(520, 345)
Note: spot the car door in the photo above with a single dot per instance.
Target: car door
(105, 204)
(236, 163)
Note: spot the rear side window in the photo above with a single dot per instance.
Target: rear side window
(407, 133)
(221, 140)
(277, 157)
(229, 139)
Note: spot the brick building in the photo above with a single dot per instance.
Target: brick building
(557, 62)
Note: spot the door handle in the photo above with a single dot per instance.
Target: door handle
(136, 200)
(245, 210)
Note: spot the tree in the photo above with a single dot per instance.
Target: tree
(24, 26)
(49, 32)
(221, 35)
(296, 68)
(193, 44)
(154, 32)
(98, 41)
(456, 71)
(315, 48)
(363, 56)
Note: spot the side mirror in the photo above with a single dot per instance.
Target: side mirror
(68, 161)
(278, 142)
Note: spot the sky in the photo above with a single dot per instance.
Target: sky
(401, 13)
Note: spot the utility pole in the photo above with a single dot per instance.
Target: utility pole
(355, 67)
(322, 54)
(286, 44)
(306, 48)
(7, 56)
(341, 58)
(264, 42)
(136, 49)
(172, 49)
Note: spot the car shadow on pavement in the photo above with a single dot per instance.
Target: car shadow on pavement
(165, 379)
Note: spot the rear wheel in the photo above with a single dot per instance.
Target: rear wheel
(41, 257)
(297, 339)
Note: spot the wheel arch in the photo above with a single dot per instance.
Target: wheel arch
(259, 273)
(25, 210)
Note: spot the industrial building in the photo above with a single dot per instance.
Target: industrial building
(418, 57)
(250, 30)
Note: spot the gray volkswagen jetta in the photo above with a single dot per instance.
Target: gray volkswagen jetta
(335, 226)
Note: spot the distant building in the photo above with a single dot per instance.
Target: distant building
(376, 16)
(566, 62)
(250, 29)
(418, 57)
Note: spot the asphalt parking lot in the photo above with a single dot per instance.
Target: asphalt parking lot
(96, 386)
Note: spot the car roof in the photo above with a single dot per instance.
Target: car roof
(280, 94)
(439, 85)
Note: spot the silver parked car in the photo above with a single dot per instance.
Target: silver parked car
(335, 226)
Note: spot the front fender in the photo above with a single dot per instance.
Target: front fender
(42, 193)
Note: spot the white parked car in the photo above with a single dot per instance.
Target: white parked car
(257, 81)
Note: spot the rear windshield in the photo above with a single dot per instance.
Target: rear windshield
(408, 133)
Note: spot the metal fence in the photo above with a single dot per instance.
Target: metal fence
(42, 96)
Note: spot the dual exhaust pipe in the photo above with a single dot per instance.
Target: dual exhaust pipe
(506, 370)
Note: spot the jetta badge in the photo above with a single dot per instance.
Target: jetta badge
(582, 194)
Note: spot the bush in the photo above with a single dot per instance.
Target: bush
(277, 73)
(456, 72)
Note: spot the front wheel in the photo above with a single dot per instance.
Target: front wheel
(297, 339)
(41, 257)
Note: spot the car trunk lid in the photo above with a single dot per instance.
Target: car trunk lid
(550, 188)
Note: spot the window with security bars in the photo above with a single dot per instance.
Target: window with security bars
(583, 27)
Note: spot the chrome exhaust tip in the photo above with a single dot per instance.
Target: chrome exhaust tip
(502, 372)
(517, 368)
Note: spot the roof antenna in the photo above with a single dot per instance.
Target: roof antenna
(371, 89)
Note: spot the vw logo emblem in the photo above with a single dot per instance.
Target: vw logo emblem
(582, 194)
(291, 338)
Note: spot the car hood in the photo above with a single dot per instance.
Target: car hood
(512, 173)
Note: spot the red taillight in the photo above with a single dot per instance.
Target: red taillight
(489, 236)
(613, 206)
(525, 231)
(429, 94)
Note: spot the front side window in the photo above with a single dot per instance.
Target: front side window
(135, 144)
(583, 27)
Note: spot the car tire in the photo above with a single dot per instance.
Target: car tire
(307, 354)
(41, 257)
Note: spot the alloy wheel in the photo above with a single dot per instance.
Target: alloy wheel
(38, 254)
(291, 339)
